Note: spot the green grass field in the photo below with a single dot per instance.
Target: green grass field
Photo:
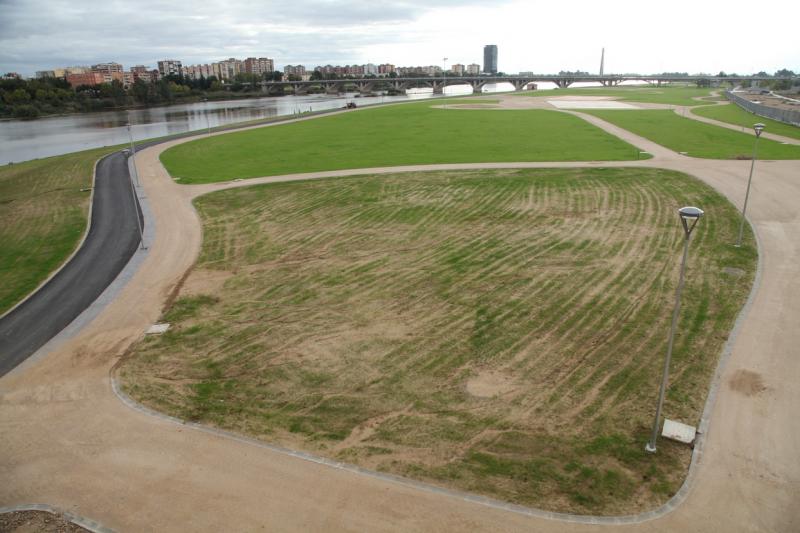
(696, 138)
(395, 135)
(733, 114)
(653, 95)
(43, 214)
(500, 332)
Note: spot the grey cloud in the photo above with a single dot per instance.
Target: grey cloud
(39, 34)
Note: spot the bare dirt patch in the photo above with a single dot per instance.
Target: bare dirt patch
(489, 384)
(747, 382)
(204, 281)
(37, 522)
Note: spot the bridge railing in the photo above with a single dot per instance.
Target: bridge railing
(787, 116)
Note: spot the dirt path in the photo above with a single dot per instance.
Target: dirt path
(133, 471)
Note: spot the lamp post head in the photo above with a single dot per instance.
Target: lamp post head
(689, 217)
(758, 129)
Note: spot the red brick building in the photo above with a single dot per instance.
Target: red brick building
(87, 78)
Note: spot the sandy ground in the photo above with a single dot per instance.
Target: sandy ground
(67, 440)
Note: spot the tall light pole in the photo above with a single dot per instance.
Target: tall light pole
(133, 153)
(444, 80)
(758, 128)
(133, 192)
(689, 218)
(205, 108)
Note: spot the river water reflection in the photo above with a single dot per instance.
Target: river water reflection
(22, 140)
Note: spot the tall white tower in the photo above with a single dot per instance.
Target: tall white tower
(602, 60)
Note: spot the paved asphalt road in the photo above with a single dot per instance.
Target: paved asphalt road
(111, 242)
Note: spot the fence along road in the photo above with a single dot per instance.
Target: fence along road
(787, 116)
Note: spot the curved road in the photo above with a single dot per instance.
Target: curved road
(67, 439)
(110, 243)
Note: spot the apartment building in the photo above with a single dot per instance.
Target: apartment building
(110, 71)
(490, 59)
(146, 74)
(258, 65)
(294, 70)
(169, 67)
(85, 78)
(196, 72)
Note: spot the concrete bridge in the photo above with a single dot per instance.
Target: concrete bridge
(401, 85)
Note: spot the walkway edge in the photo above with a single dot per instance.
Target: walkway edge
(86, 523)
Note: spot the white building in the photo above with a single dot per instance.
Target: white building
(169, 67)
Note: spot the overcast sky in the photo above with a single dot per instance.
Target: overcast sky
(540, 36)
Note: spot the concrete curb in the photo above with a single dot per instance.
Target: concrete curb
(86, 523)
(74, 252)
(398, 480)
(108, 294)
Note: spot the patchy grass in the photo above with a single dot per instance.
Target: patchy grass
(650, 94)
(733, 114)
(43, 214)
(394, 135)
(358, 314)
(696, 138)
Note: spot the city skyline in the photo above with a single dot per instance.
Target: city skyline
(40, 34)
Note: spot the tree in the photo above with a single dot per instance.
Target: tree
(781, 85)
(784, 73)
(140, 91)
(18, 96)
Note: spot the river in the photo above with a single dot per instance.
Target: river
(23, 140)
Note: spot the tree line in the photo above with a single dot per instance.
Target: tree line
(50, 96)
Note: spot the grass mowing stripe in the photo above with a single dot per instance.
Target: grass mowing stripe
(462, 328)
(697, 138)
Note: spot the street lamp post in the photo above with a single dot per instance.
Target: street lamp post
(133, 193)
(205, 108)
(133, 153)
(689, 218)
(444, 80)
(758, 128)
